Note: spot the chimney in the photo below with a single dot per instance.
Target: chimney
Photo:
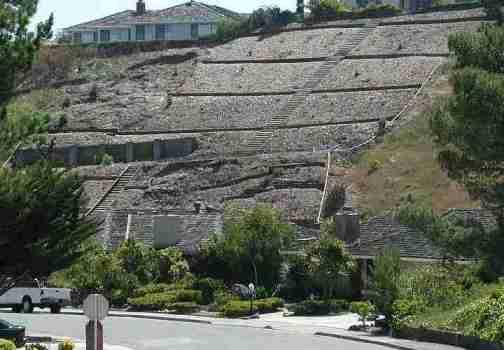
(347, 225)
(140, 7)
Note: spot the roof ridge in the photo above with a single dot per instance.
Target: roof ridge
(99, 19)
(209, 7)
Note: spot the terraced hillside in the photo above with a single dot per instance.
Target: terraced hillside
(262, 111)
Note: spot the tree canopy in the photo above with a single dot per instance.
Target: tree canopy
(42, 227)
(250, 245)
(18, 46)
(42, 224)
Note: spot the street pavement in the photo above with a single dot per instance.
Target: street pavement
(145, 334)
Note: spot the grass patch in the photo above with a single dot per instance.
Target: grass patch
(408, 168)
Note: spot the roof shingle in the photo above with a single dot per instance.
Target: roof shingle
(187, 12)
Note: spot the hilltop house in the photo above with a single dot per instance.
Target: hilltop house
(188, 21)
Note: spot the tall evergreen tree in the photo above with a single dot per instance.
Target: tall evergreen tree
(41, 226)
(18, 46)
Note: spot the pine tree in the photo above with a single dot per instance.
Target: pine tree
(42, 226)
(18, 46)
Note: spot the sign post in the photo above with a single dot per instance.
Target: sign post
(251, 288)
(96, 308)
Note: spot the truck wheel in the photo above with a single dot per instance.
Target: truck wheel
(27, 305)
(55, 309)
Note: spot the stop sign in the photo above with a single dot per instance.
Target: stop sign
(96, 307)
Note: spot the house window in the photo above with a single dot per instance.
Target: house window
(194, 31)
(77, 37)
(95, 36)
(104, 35)
(160, 32)
(140, 32)
(129, 34)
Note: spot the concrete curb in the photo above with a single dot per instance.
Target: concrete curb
(362, 340)
(161, 318)
(148, 317)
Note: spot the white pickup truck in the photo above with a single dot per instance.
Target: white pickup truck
(29, 294)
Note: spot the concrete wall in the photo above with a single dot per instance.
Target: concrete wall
(71, 156)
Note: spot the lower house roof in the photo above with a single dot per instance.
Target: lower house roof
(387, 232)
(195, 229)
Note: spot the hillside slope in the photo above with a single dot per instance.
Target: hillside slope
(251, 121)
(404, 166)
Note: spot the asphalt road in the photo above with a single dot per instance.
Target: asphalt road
(141, 334)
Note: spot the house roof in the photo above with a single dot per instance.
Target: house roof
(194, 229)
(187, 12)
(385, 231)
(482, 216)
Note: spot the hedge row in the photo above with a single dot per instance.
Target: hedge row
(241, 308)
(163, 300)
(320, 307)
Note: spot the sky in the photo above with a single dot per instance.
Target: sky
(71, 12)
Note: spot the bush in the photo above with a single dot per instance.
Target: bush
(209, 287)
(483, 49)
(363, 308)
(152, 302)
(154, 289)
(161, 301)
(484, 318)
(333, 9)
(385, 283)
(269, 304)
(404, 309)
(241, 308)
(7, 345)
(319, 307)
(374, 166)
(183, 307)
(187, 295)
(229, 29)
(237, 308)
(434, 285)
(66, 345)
(379, 11)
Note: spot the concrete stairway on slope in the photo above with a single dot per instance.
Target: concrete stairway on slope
(108, 199)
(261, 140)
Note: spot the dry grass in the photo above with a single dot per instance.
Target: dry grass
(405, 166)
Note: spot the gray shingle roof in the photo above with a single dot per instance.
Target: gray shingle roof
(385, 231)
(181, 13)
(195, 227)
(482, 216)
